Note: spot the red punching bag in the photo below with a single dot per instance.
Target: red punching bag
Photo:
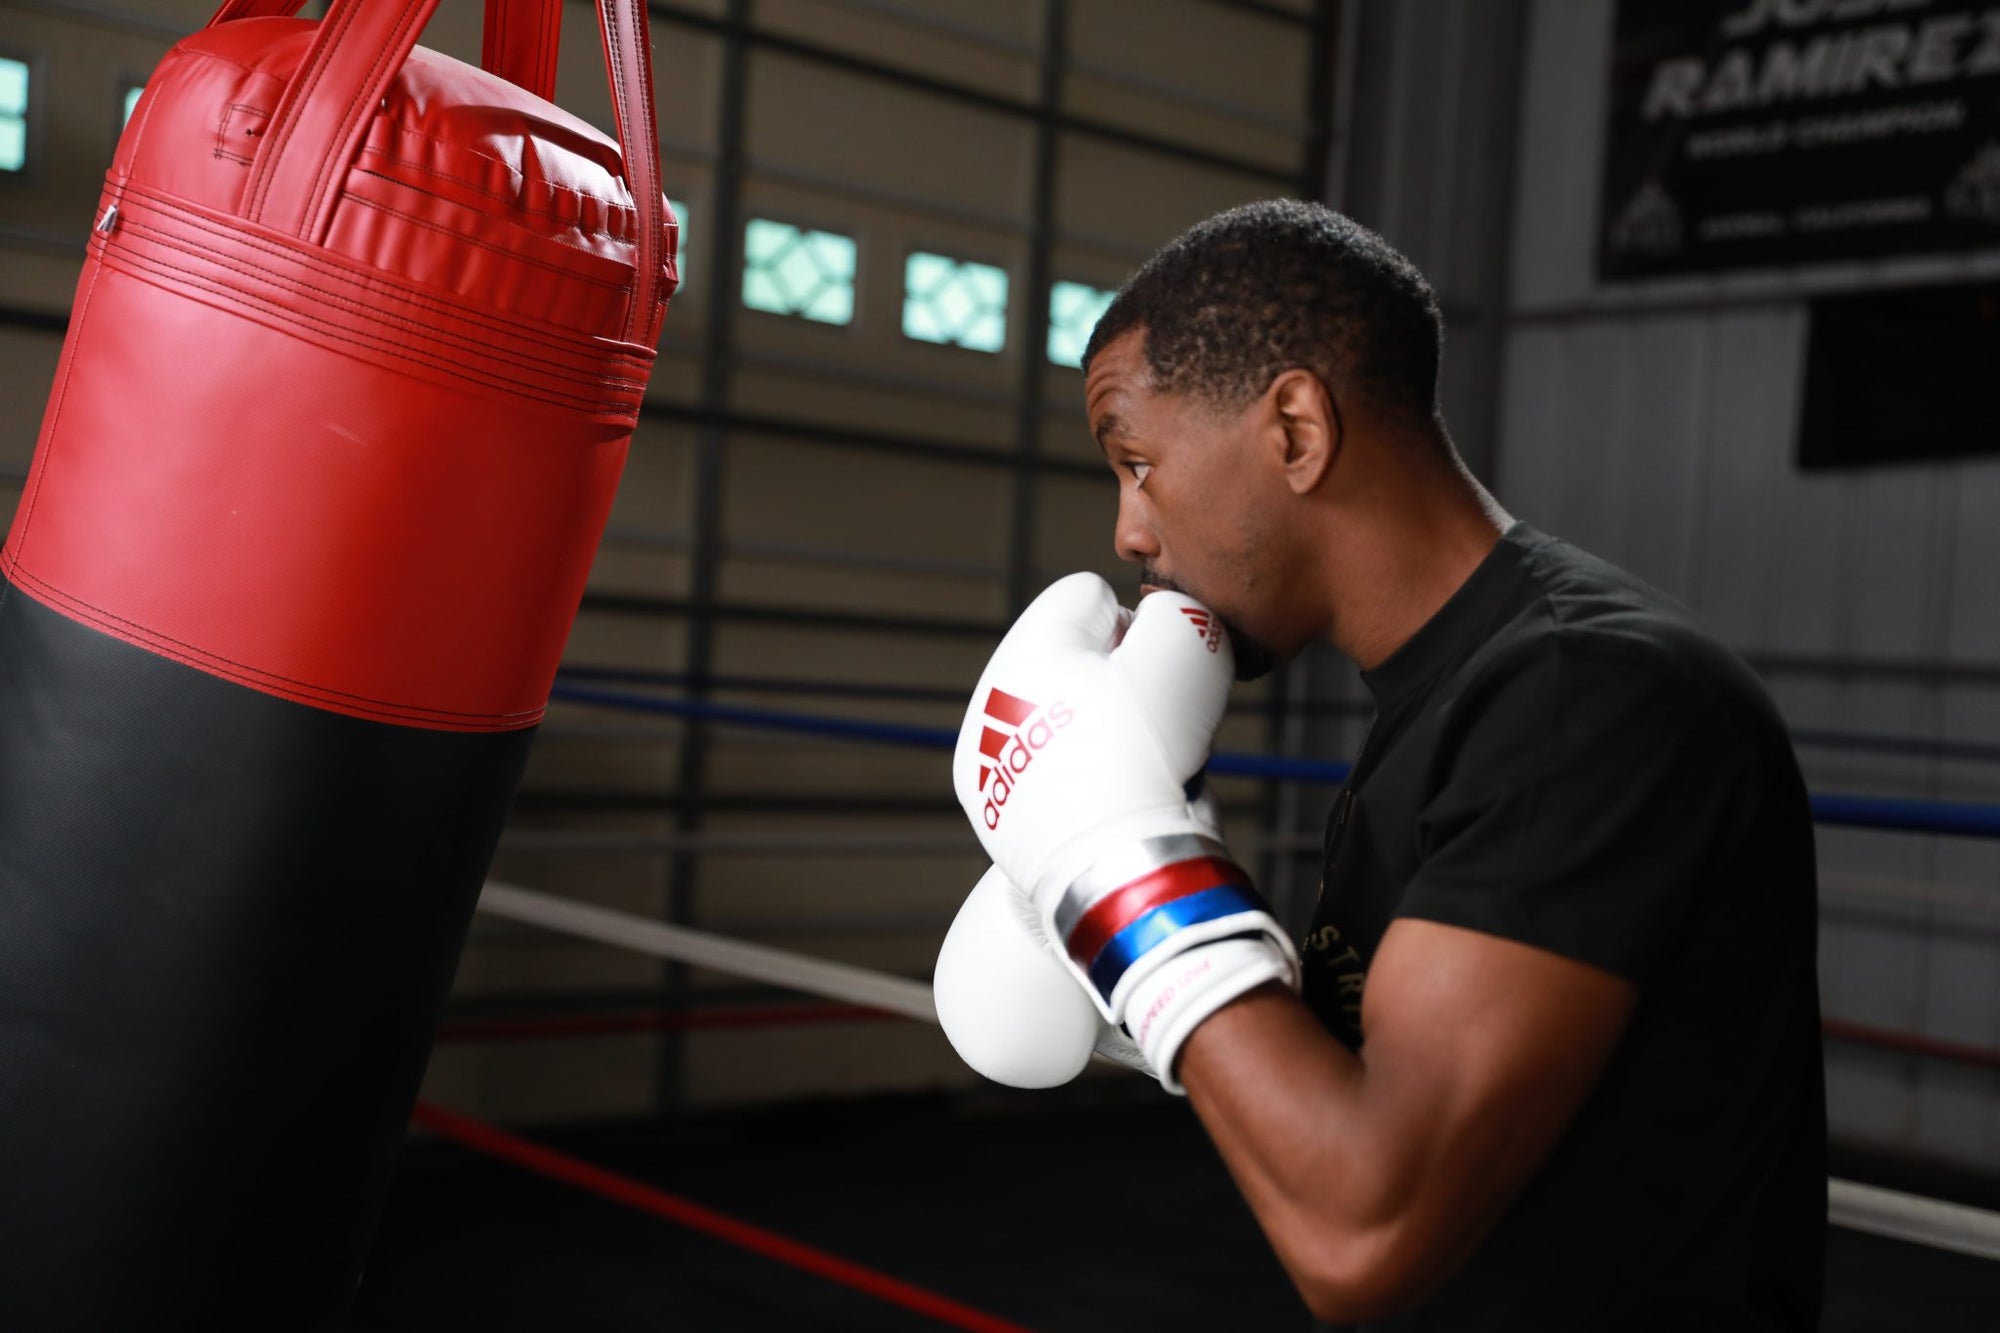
(350, 376)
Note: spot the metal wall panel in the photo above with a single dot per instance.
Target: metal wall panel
(1428, 154)
(1654, 422)
(1133, 200)
(1194, 71)
(1959, 1113)
(1562, 142)
(989, 46)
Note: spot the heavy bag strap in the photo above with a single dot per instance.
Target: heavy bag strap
(254, 9)
(320, 119)
(628, 55)
(323, 114)
(520, 44)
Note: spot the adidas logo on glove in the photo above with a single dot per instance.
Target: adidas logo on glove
(1029, 733)
(1206, 625)
(1117, 879)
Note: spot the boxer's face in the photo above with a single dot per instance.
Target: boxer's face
(1193, 507)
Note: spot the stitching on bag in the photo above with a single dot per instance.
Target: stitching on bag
(582, 346)
(284, 319)
(250, 674)
(352, 116)
(243, 268)
(625, 210)
(502, 251)
(653, 186)
(652, 114)
(512, 203)
(376, 282)
(588, 370)
(222, 148)
(442, 230)
(608, 10)
(636, 321)
(545, 64)
(499, 33)
(256, 306)
(139, 267)
(45, 461)
(275, 145)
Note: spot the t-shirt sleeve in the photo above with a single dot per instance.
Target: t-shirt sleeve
(1583, 804)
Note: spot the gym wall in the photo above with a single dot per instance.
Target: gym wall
(1656, 422)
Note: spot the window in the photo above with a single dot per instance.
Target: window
(680, 255)
(954, 302)
(131, 101)
(1074, 310)
(13, 114)
(790, 271)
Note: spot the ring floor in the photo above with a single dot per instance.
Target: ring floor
(983, 1202)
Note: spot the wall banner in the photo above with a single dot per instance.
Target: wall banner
(1770, 133)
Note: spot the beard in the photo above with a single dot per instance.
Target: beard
(1253, 657)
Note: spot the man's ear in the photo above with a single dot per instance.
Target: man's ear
(1310, 428)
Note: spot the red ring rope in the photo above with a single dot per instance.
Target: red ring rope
(547, 1162)
(1910, 1043)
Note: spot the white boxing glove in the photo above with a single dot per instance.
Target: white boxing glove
(1009, 1007)
(1071, 763)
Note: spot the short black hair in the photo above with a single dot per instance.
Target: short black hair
(1235, 301)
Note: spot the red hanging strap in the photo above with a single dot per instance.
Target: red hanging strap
(520, 44)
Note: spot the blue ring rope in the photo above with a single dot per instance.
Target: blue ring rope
(1898, 814)
(1915, 747)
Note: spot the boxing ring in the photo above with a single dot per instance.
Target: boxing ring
(841, 993)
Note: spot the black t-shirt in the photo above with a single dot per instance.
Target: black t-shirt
(1562, 756)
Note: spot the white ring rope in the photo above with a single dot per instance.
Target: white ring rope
(764, 843)
(1855, 1207)
(1910, 1217)
(1839, 891)
(774, 967)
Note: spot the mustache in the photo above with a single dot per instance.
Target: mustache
(1152, 578)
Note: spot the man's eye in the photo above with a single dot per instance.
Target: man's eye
(1140, 471)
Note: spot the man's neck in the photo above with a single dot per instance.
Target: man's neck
(1406, 564)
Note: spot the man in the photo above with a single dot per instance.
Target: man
(1552, 1057)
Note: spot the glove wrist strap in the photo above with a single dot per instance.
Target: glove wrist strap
(1184, 991)
(1132, 901)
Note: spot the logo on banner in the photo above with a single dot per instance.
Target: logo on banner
(1205, 624)
(1975, 192)
(1009, 753)
(1771, 133)
(1649, 224)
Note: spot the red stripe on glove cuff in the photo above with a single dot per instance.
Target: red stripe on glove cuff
(1121, 907)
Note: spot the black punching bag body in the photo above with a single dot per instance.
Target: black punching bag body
(337, 424)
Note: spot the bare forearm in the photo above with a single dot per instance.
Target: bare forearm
(1288, 1109)
(1376, 1178)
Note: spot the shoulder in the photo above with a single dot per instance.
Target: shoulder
(1594, 647)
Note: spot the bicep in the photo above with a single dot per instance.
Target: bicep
(1481, 1050)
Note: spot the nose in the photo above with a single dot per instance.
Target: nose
(1131, 535)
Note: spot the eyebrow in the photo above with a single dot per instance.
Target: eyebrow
(1108, 425)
